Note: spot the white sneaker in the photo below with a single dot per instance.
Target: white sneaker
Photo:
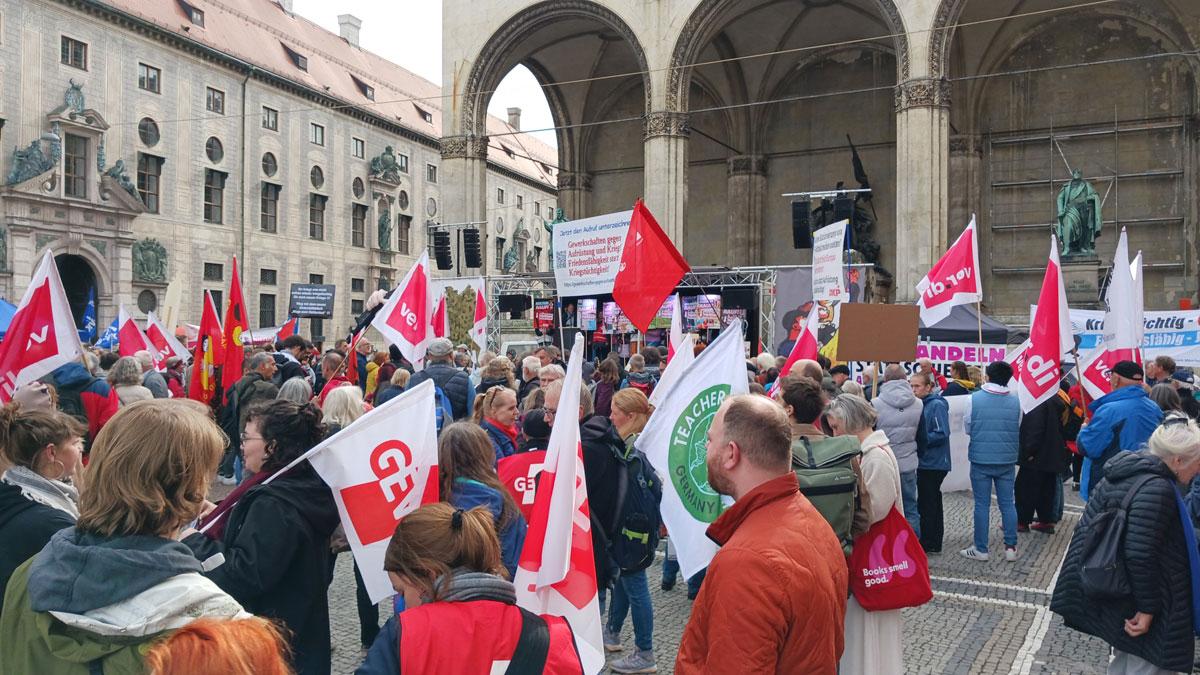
(1010, 553)
(973, 553)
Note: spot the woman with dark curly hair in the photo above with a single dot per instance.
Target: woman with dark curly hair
(275, 536)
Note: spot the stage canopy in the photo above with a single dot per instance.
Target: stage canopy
(963, 326)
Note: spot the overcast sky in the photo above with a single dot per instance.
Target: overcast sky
(409, 32)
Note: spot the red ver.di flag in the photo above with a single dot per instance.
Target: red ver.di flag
(404, 319)
(42, 335)
(163, 340)
(1049, 338)
(129, 334)
(479, 327)
(381, 468)
(650, 269)
(953, 280)
(557, 574)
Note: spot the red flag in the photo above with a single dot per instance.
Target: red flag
(42, 335)
(163, 340)
(352, 359)
(440, 322)
(953, 280)
(1049, 338)
(557, 574)
(806, 346)
(650, 269)
(235, 323)
(479, 326)
(130, 336)
(519, 474)
(208, 354)
(288, 329)
(404, 318)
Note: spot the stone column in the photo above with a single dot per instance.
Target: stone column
(747, 193)
(464, 186)
(922, 162)
(665, 177)
(966, 169)
(575, 194)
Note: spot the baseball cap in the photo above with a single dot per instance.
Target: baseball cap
(1129, 370)
(1184, 377)
(440, 347)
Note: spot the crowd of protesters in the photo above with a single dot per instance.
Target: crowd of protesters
(116, 561)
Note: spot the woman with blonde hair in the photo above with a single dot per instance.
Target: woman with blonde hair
(342, 408)
(446, 564)
(39, 492)
(498, 372)
(394, 387)
(119, 579)
(125, 377)
(250, 646)
(496, 412)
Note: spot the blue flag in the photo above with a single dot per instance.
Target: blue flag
(109, 339)
(88, 332)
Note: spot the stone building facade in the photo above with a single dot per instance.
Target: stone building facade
(157, 139)
(713, 109)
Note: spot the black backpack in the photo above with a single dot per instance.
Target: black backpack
(1102, 572)
(70, 401)
(633, 534)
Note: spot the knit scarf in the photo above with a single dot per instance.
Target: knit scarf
(462, 585)
(37, 488)
(1189, 536)
(510, 431)
(220, 515)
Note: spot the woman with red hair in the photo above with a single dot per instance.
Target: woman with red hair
(251, 646)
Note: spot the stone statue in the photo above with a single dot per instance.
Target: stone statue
(559, 217)
(385, 230)
(149, 261)
(1079, 222)
(511, 258)
(34, 160)
(385, 166)
(119, 173)
(3, 249)
(531, 263)
(73, 98)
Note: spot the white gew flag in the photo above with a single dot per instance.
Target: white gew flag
(675, 441)
(557, 574)
(479, 327)
(380, 468)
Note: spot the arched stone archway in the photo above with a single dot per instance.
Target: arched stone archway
(79, 281)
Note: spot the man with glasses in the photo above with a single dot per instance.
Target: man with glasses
(1123, 419)
(254, 387)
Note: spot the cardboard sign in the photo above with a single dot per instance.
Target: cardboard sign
(871, 332)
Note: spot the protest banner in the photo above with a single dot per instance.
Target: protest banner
(379, 469)
(587, 253)
(1174, 333)
(675, 442)
(828, 279)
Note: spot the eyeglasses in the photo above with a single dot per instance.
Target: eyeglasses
(250, 438)
(1175, 419)
(549, 412)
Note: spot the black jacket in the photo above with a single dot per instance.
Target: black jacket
(277, 559)
(287, 369)
(25, 527)
(1042, 444)
(601, 443)
(1156, 557)
(453, 381)
(527, 388)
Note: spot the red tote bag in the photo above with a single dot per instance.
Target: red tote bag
(888, 567)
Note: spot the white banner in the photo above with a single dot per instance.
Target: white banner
(675, 442)
(827, 276)
(587, 253)
(1174, 333)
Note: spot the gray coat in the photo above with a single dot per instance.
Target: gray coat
(900, 418)
(156, 383)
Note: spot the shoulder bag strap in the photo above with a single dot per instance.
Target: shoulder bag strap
(533, 647)
(1133, 490)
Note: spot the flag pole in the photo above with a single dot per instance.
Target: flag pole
(979, 322)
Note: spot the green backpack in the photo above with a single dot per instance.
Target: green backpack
(826, 472)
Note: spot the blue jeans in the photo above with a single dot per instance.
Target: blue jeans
(670, 571)
(631, 595)
(908, 491)
(982, 478)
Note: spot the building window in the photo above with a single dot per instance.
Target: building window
(316, 278)
(75, 162)
(214, 196)
(74, 53)
(269, 164)
(316, 176)
(316, 216)
(356, 307)
(269, 219)
(149, 175)
(425, 114)
(367, 90)
(357, 285)
(266, 310)
(216, 296)
(214, 150)
(358, 225)
(357, 188)
(270, 119)
(431, 173)
(197, 16)
(316, 134)
(520, 202)
(267, 277)
(358, 148)
(298, 59)
(214, 272)
(499, 253)
(214, 101)
(499, 195)
(149, 78)
(148, 132)
(403, 234)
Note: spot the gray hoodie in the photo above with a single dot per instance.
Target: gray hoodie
(900, 418)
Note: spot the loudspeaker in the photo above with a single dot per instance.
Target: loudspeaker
(801, 231)
(471, 255)
(441, 250)
(843, 208)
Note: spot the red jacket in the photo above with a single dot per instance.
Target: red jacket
(774, 599)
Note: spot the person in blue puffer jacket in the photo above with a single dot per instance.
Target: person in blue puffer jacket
(1121, 420)
(467, 476)
(933, 461)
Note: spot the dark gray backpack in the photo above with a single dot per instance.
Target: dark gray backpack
(1102, 573)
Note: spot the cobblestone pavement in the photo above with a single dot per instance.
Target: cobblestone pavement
(986, 617)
